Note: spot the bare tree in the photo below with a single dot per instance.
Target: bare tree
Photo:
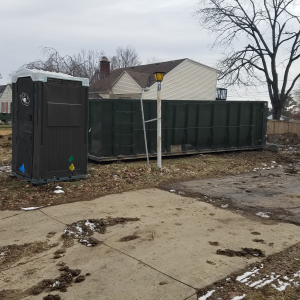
(153, 60)
(125, 57)
(83, 64)
(261, 37)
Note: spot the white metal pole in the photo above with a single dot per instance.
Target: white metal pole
(158, 125)
(144, 128)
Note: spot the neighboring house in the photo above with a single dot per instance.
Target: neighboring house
(184, 79)
(5, 101)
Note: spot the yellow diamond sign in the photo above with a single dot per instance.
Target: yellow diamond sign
(72, 168)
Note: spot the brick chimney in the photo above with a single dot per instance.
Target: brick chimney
(104, 66)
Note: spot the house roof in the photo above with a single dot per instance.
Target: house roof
(143, 74)
(2, 88)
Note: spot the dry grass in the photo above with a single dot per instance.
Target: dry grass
(110, 178)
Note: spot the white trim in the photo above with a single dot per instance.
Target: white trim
(203, 65)
(39, 75)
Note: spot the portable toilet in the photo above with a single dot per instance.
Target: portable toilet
(49, 126)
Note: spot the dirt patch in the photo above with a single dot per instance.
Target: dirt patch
(246, 252)
(277, 277)
(128, 238)
(111, 178)
(59, 253)
(80, 279)
(51, 234)
(60, 283)
(284, 139)
(52, 297)
(89, 241)
(85, 228)
(12, 253)
(67, 240)
(11, 294)
(214, 243)
(259, 241)
(255, 233)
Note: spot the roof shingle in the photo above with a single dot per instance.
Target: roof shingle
(143, 74)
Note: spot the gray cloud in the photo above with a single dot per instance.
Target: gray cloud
(162, 29)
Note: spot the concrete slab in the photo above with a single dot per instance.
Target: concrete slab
(174, 233)
(173, 246)
(27, 227)
(113, 276)
(8, 214)
(270, 191)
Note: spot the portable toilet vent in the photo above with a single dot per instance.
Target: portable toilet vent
(49, 124)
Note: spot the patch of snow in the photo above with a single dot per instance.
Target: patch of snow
(207, 295)
(224, 205)
(79, 228)
(282, 285)
(239, 297)
(30, 208)
(2, 253)
(263, 215)
(58, 187)
(5, 169)
(253, 284)
(58, 191)
(90, 225)
(244, 278)
(267, 281)
(56, 283)
(297, 274)
(172, 191)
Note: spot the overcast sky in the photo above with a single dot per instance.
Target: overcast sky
(163, 29)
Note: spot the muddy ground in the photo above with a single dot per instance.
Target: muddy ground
(276, 277)
(117, 177)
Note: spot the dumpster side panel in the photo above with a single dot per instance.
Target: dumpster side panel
(187, 127)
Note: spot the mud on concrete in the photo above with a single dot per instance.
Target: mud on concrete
(83, 229)
(245, 252)
(60, 283)
(11, 254)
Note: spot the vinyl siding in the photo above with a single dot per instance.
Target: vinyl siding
(125, 85)
(5, 98)
(188, 81)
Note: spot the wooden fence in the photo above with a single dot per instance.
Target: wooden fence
(278, 127)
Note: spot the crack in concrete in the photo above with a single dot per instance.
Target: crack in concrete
(12, 216)
(191, 296)
(51, 217)
(132, 257)
(153, 268)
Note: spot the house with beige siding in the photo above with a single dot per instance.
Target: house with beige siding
(5, 99)
(184, 79)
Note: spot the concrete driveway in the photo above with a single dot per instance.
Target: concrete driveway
(273, 194)
(172, 255)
